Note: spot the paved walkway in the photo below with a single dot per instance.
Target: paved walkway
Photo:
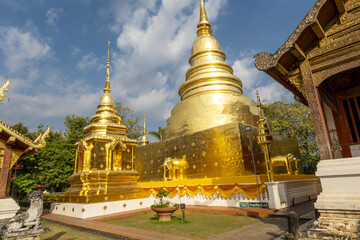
(111, 230)
(267, 228)
(272, 227)
(254, 212)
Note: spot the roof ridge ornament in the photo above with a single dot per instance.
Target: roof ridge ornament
(4, 88)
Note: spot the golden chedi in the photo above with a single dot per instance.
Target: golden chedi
(211, 95)
(104, 162)
(204, 140)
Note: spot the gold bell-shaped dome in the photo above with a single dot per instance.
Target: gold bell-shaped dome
(211, 95)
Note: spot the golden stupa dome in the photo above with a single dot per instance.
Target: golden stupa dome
(211, 94)
(106, 99)
(205, 43)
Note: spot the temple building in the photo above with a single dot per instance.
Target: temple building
(217, 149)
(13, 147)
(320, 64)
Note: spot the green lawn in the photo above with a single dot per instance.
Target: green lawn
(65, 233)
(199, 225)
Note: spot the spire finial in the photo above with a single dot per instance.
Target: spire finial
(144, 139)
(203, 26)
(144, 132)
(107, 84)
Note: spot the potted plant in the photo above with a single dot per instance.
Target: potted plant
(164, 209)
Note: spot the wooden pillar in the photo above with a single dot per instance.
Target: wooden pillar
(344, 137)
(322, 139)
(5, 171)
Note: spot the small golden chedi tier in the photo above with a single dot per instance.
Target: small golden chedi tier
(104, 162)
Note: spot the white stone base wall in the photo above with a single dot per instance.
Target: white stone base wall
(8, 208)
(280, 194)
(295, 192)
(83, 210)
(339, 202)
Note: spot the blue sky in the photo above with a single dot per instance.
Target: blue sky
(54, 52)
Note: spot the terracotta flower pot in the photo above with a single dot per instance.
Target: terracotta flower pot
(165, 213)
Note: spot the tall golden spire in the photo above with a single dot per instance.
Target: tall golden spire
(144, 138)
(203, 26)
(107, 84)
(106, 115)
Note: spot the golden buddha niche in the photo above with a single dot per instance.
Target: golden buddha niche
(104, 161)
(206, 129)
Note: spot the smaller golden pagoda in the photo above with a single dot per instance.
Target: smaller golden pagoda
(104, 162)
(144, 139)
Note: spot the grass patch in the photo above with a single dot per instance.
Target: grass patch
(58, 232)
(198, 225)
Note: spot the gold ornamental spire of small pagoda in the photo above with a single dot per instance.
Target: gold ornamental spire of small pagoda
(106, 115)
(144, 139)
(264, 138)
(107, 84)
(203, 26)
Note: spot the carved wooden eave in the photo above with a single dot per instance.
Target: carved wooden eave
(328, 37)
(19, 141)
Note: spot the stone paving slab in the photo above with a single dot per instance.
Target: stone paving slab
(265, 229)
(254, 212)
(111, 230)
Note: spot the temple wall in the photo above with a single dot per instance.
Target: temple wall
(222, 151)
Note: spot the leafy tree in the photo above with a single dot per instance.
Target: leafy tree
(130, 119)
(294, 121)
(157, 134)
(52, 165)
(74, 128)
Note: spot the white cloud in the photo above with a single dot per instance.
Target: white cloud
(53, 15)
(269, 89)
(21, 47)
(89, 61)
(39, 91)
(245, 69)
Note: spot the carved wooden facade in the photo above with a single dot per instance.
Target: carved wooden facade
(320, 64)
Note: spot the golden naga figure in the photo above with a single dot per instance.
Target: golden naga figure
(3, 89)
(175, 167)
(40, 140)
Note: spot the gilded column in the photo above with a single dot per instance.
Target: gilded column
(76, 159)
(107, 149)
(87, 156)
(5, 170)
